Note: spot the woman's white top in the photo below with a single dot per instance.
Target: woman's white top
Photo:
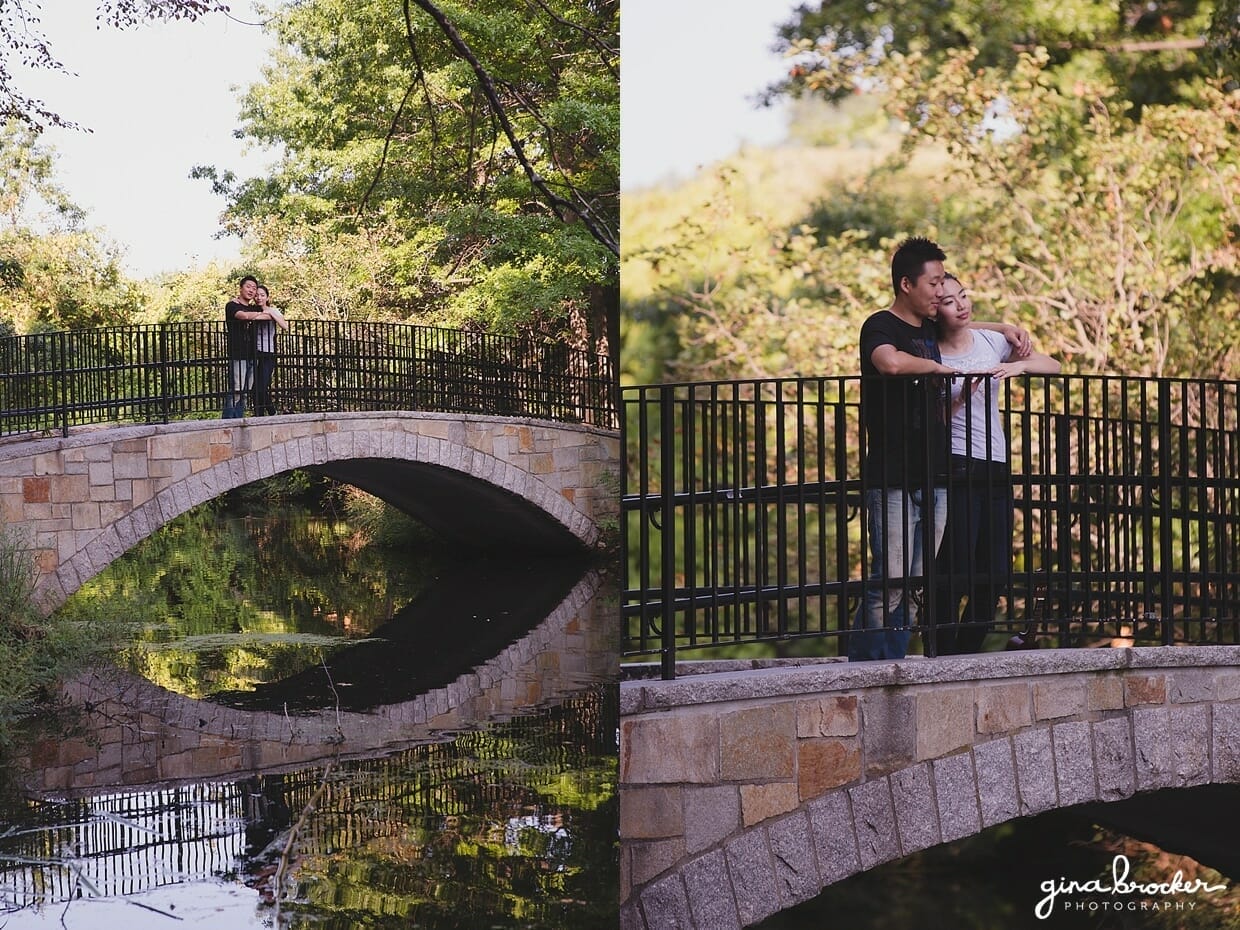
(977, 429)
(265, 331)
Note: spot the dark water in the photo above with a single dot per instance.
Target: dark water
(996, 879)
(498, 809)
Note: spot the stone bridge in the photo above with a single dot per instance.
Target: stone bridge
(749, 789)
(492, 481)
(137, 733)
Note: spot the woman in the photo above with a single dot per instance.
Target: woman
(265, 352)
(976, 555)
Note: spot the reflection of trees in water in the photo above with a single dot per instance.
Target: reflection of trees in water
(248, 598)
(471, 614)
(518, 820)
(515, 820)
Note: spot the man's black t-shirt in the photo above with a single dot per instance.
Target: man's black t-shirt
(897, 408)
(240, 337)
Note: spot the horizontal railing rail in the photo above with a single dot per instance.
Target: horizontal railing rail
(50, 382)
(743, 514)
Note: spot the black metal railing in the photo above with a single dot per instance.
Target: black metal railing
(172, 371)
(743, 515)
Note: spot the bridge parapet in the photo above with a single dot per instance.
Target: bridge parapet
(748, 789)
(173, 371)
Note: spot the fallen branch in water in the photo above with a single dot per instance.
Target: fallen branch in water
(292, 838)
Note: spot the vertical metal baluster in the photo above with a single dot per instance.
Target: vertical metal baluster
(1166, 542)
(667, 481)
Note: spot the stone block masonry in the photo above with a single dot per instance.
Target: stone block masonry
(82, 500)
(770, 782)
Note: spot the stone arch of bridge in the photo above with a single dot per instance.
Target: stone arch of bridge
(1113, 726)
(488, 481)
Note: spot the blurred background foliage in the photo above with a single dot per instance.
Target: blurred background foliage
(1077, 165)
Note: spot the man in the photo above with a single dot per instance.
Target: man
(238, 315)
(904, 471)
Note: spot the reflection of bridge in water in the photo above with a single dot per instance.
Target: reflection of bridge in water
(412, 809)
(471, 612)
(143, 734)
(221, 786)
(110, 434)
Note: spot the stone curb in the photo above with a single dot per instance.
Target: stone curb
(748, 683)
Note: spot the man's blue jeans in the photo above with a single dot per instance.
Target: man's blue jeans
(240, 378)
(895, 589)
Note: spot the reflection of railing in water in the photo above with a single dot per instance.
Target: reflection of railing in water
(127, 843)
(154, 736)
(122, 843)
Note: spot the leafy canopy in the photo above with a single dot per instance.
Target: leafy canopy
(463, 156)
(1154, 51)
(55, 272)
(1067, 199)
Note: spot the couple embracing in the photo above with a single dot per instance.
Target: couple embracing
(250, 323)
(936, 460)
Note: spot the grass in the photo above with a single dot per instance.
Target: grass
(37, 652)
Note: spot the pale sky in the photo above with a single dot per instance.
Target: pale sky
(691, 69)
(160, 99)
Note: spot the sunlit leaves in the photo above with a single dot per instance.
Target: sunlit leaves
(390, 137)
(54, 271)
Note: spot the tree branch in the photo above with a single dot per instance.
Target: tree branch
(387, 144)
(606, 50)
(562, 208)
(417, 61)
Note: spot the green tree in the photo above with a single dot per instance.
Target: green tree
(1153, 50)
(1111, 235)
(461, 159)
(55, 272)
(1104, 224)
(728, 277)
(196, 294)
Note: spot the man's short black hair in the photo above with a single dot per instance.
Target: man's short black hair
(248, 277)
(909, 260)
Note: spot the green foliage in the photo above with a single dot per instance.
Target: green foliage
(1147, 49)
(36, 652)
(381, 523)
(1107, 230)
(399, 197)
(55, 273)
(225, 601)
(192, 295)
(1110, 236)
(736, 286)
